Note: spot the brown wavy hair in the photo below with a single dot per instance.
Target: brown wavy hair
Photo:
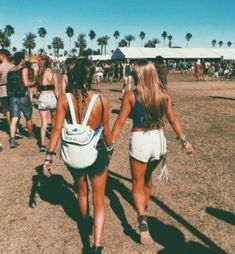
(151, 94)
(80, 78)
(43, 64)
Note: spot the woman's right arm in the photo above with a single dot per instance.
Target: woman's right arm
(105, 120)
(56, 132)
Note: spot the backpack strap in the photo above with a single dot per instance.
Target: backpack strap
(71, 108)
(90, 107)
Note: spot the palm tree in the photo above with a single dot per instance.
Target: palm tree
(129, 38)
(49, 48)
(81, 43)
(41, 51)
(29, 42)
(152, 43)
(155, 41)
(116, 35)
(213, 43)
(229, 43)
(220, 43)
(142, 36)
(57, 44)
(164, 36)
(4, 40)
(122, 43)
(9, 30)
(169, 37)
(65, 53)
(42, 33)
(92, 36)
(74, 51)
(70, 33)
(188, 37)
(100, 43)
(105, 42)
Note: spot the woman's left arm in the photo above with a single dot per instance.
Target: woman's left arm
(123, 115)
(174, 122)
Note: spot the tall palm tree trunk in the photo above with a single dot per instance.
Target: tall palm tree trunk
(43, 44)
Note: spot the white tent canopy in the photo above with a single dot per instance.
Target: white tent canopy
(100, 57)
(174, 53)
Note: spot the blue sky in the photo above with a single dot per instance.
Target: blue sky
(205, 19)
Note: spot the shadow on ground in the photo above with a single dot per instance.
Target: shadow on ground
(222, 215)
(57, 191)
(166, 235)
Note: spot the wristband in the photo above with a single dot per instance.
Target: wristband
(50, 152)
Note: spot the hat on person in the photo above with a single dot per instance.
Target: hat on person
(5, 53)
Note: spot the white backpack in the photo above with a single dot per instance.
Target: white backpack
(78, 141)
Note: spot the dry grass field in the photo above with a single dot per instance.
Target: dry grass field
(193, 213)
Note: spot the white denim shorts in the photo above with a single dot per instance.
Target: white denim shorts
(147, 146)
(47, 101)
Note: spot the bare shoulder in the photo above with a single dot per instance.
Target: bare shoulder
(129, 97)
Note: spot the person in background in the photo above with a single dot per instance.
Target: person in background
(206, 66)
(81, 78)
(31, 76)
(17, 85)
(5, 66)
(99, 75)
(149, 104)
(161, 71)
(69, 65)
(127, 69)
(197, 69)
(49, 92)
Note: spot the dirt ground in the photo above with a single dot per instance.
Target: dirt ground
(192, 213)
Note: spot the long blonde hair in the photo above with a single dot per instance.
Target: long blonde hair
(151, 94)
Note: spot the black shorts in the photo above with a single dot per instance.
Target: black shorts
(97, 168)
(4, 105)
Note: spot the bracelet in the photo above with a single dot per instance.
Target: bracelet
(110, 148)
(48, 160)
(184, 140)
(50, 152)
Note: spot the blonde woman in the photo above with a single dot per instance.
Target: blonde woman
(49, 92)
(149, 104)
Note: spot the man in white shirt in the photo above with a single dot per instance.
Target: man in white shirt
(5, 66)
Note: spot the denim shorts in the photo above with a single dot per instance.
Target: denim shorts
(97, 168)
(21, 104)
(147, 146)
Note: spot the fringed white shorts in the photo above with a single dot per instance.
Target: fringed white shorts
(147, 146)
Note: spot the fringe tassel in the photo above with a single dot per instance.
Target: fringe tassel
(164, 174)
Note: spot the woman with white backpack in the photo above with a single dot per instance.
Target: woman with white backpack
(83, 120)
